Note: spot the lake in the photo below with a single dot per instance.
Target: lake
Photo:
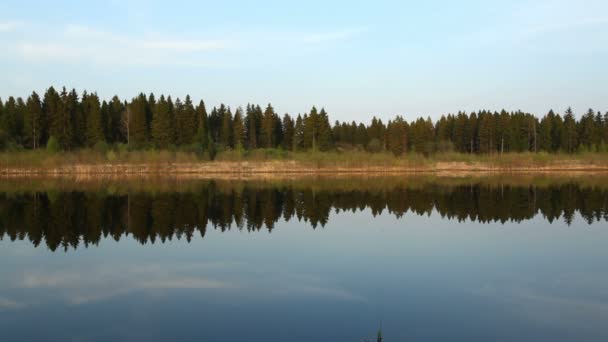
(423, 258)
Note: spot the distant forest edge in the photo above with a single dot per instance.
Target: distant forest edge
(65, 121)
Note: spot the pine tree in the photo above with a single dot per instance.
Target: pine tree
(33, 121)
(135, 121)
(570, 134)
(163, 123)
(202, 133)
(77, 119)
(94, 120)
(397, 136)
(545, 128)
(268, 127)
(226, 128)
(51, 108)
(113, 121)
(288, 133)
(63, 124)
(587, 130)
(186, 121)
(298, 134)
(238, 129)
(251, 128)
(11, 123)
(323, 131)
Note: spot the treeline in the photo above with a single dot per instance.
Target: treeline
(68, 219)
(65, 120)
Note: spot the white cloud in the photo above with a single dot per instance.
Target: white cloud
(89, 45)
(81, 44)
(10, 26)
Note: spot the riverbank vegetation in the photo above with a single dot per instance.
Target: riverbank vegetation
(63, 128)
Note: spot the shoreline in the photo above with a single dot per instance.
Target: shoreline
(293, 168)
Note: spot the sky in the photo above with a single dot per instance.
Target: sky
(355, 58)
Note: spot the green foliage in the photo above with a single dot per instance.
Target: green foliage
(145, 122)
(52, 145)
(163, 129)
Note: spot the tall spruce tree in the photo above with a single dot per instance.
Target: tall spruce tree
(288, 133)
(163, 123)
(202, 133)
(570, 132)
(238, 129)
(268, 127)
(33, 121)
(94, 120)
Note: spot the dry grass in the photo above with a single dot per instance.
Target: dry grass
(277, 161)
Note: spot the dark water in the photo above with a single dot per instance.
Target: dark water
(492, 259)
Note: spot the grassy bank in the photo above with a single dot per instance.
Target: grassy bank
(272, 161)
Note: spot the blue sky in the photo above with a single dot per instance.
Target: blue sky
(356, 59)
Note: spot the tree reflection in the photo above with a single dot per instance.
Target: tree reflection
(67, 219)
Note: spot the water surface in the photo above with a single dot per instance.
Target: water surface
(315, 259)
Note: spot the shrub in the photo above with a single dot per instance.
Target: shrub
(52, 145)
(111, 155)
(374, 145)
(100, 146)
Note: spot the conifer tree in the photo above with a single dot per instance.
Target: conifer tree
(113, 121)
(94, 120)
(298, 134)
(135, 121)
(570, 135)
(186, 121)
(202, 134)
(323, 131)
(33, 121)
(251, 128)
(226, 126)
(163, 123)
(268, 127)
(238, 135)
(288, 133)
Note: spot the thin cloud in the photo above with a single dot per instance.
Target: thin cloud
(10, 26)
(89, 45)
(82, 44)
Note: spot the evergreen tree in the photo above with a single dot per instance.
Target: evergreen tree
(62, 126)
(238, 129)
(94, 120)
(268, 128)
(202, 134)
(397, 136)
(569, 142)
(545, 135)
(163, 123)
(587, 131)
(288, 133)
(298, 134)
(226, 128)
(323, 131)
(33, 122)
(186, 122)
(11, 123)
(77, 118)
(113, 121)
(251, 128)
(135, 121)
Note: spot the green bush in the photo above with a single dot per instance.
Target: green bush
(100, 146)
(52, 145)
(111, 155)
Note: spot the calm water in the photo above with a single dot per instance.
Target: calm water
(498, 259)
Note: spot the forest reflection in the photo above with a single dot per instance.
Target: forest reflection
(69, 216)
